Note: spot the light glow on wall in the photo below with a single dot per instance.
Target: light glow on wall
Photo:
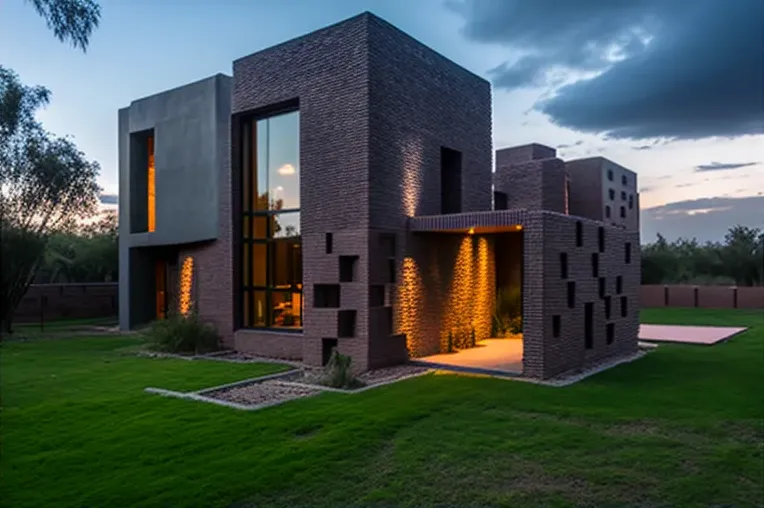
(411, 175)
(469, 302)
(411, 305)
(152, 197)
(186, 283)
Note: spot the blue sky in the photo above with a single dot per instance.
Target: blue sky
(559, 79)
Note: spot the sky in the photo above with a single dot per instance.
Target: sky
(672, 90)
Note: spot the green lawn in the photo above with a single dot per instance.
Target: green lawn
(681, 427)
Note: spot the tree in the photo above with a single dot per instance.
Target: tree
(46, 185)
(70, 20)
(742, 255)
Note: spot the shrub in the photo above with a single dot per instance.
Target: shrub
(338, 373)
(182, 334)
(508, 311)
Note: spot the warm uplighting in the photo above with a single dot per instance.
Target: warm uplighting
(411, 306)
(286, 170)
(469, 301)
(186, 281)
(471, 231)
(411, 177)
(151, 187)
(518, 227)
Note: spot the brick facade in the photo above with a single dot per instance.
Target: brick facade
(395, 166)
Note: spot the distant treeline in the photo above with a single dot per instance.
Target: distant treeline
(739, 260)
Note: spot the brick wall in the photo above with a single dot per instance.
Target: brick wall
(531, 177)
(620, 287)
(68, 301)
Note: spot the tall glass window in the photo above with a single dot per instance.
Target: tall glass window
(271, 243)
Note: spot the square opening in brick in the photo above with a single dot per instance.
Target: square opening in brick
(618, 284)
(376, 296)
(602, 284)
(589, 325)
(346, 323)
(624, 306)
(327, 348)
(610, 333)
(571, 294)
(556, 326)
(595, 265)
(608, 303)
(348, 268)
(326, 296)
(563, 265)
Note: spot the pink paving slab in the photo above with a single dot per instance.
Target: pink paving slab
(706, 335)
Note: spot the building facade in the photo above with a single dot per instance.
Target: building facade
(336, 192)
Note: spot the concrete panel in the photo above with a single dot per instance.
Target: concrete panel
(652, 295)
(750, 297)
(716, 297)
(681, 296)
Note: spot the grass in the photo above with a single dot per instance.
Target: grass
(681, 427)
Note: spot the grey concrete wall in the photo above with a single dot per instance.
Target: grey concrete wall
(190, 126)
(187, 129)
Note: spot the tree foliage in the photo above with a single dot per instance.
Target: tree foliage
(46, 186)
(738, 260)
(72, 21)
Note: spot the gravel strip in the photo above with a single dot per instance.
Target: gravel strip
(265, 392)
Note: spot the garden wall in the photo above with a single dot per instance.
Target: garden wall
(67, 301)
(705, 297)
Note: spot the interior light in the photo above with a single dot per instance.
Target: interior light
(518, 227)
(471, 231)
(286, 170)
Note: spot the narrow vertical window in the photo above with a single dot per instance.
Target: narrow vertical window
(450, 181)
(589, 325)
(563, 265)
(579, 234)
(151, 190)
(627, 253)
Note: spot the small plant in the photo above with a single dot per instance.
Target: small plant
(507, 314)
(182, 334)
(338, 372)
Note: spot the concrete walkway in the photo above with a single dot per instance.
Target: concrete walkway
(504, 355)
(705, 335)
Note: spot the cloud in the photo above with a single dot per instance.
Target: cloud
(652, 68)
(642, 147)
(683, 185)
(647, 188)
(706, 219)
(722, 166)
(109, 199)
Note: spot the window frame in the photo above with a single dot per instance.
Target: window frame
(248, 239)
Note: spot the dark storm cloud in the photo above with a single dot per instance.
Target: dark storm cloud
(109, 199)
(721, 166)
(706, 219)
(678, 70)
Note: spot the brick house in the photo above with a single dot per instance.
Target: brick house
(338, 192)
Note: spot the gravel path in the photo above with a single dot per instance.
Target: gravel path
(265, 392)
